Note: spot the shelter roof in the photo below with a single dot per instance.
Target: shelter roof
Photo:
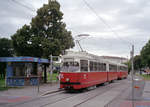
(23, 59)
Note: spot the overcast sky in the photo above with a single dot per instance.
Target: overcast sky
(130, 19)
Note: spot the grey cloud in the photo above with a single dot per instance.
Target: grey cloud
(112, 46)
(11, 9)
(13, 16)
(132, 15)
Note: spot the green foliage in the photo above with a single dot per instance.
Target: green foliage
(2, 70)
(129, 66)
(137, 62)
(45, 35)
(22, 42)
(54, 77)
(2, 85)
(146, 77)
(6, 49)
(145, 55)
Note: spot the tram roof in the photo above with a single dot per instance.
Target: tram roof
(85, 55)
(82, 55)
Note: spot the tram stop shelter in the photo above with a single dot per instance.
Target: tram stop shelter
(22, 71)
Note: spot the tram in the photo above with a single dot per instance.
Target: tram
(82, 70)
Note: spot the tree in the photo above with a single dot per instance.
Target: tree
(145, 55)
(128, 63)
(22, 42)
(138, 62)
(6, 50)
(45, 35)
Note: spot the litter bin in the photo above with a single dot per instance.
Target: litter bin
(138, 88)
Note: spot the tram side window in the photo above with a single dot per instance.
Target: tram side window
(91, 66)
(122, 68)
(126, 69)
(98, 67)
(104, 67)
(112, 67)
(84, 65)
(115, 67)
(95, 66)
(101, 67)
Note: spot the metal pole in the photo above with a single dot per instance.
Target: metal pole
(132, 73)
(51, 67)
(79, 45)
(38, 85)
(6, 75)
(38, 65)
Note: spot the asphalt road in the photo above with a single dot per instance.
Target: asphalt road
(98, 97)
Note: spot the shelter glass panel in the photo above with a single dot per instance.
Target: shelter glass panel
(23, 69)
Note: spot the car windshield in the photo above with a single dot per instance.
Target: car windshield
(70, 67)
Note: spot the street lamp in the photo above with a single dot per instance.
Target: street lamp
(78, 40)
(83, 35)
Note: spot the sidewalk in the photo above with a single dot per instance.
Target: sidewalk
(146, 93)
(143, 102)
(15, 95)
(123, 99)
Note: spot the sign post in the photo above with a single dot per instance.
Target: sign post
(38, 78)
(51, 68)
(132, 73)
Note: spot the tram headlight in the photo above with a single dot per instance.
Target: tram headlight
(84, 76)
(67, 79)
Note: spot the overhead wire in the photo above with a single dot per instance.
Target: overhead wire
(104, 22)
(25, 6)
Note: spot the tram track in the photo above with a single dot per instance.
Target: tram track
(100, 93)
(90, 95)
(61, 99)
(61, 96)
(94, 95)
(44, 96)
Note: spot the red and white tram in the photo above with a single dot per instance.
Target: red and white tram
(122, 71)
(81, 70)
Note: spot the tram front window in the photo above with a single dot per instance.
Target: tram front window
(70, 67)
